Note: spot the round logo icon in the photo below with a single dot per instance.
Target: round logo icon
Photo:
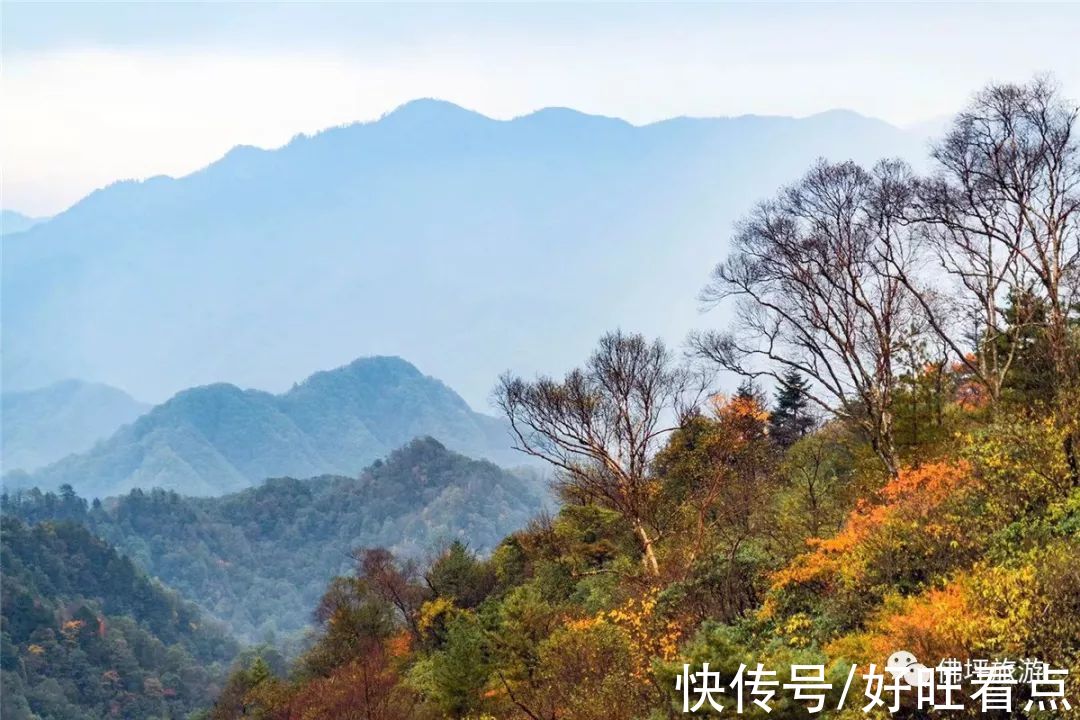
(903, 664)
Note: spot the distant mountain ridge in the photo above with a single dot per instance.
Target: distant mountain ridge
(41, 426)
(467, 244)
(218, 439)
(259, 559)
(12, 222)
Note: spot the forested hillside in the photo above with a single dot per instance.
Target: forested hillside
(259, 559)
(914, 484)
(87, 635)
(218, 439)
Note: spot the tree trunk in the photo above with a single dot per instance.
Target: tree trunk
(648, 555)
(1066, 383)
(880, 431)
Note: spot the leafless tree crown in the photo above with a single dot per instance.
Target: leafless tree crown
(601, 425)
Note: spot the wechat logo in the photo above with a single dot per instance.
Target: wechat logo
(902, 664)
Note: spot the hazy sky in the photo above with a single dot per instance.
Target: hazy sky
(95, 93)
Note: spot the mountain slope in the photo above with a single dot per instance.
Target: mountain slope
(87, 635)
(218, 438)
(258, 559)
(41, 426)
(12, 222)
(466, 244)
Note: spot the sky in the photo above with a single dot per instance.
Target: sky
(94, 93)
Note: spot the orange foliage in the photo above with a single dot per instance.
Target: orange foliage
(971, 395)
(911, 497)
(71, 629)
(399, 645)
(934, 625)
(740, 408)
(362, 689)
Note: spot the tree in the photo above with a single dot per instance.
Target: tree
(458, 575)
(397, 584)
(354, 619)
(458, 672)
(601, 425)
(1000, 215)
(813, 271)
(721, 468)
(584, 671)
(1033, 378)
(1014, 154)
(749, 392)
(791, 419)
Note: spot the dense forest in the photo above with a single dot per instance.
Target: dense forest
(259, 559)
(87, 635)
(914, 483)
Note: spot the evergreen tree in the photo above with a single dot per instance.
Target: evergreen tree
(748, 390)
(1031, 374)
(791, 418)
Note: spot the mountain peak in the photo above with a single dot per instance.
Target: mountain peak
(845, 116)
(434, 232)
(564, 116)
(217, 438)
(428, 110)
(370, 367)
(43, 425)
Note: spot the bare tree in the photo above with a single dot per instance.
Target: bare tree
(813, 271)
(1001, 216)
(1024, 159)
(602, 424)
(397, 584)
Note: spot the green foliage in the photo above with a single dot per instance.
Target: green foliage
(459, 576)
(819, 488)
(791, 417)
(802, 556)
(87, 635)
(1032, 376)
(258, 560)
(453, 677)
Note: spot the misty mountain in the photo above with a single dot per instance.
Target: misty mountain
(218, 438)
(259, 559)
(12, 222)
(41, 426)
(467, 244)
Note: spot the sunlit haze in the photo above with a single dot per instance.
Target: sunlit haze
(97, 93)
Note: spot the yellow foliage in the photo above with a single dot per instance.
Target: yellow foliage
(1025, 609)
(432, 612)
(796, 630)
(71, 628)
